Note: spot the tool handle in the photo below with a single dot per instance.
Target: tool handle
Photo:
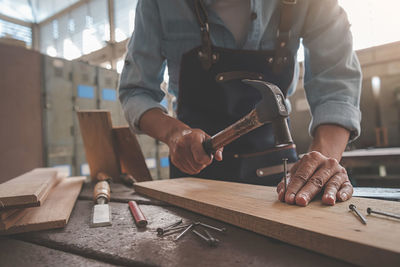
(127, 179)
(137, 214)
(231, 133)
(101, 176)
(101, 190)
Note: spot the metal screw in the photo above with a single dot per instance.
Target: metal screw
(369, 210)
(213, 241)
(201, 236)
(285, 160)
(362, 218)
(173, 229)
(184, 232)
(222, 230)
(160, 230)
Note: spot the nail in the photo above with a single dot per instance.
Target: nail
(354, 208)
(162, 230)
(222, 230)
(369, 210)
(343, 196)
(184, 232)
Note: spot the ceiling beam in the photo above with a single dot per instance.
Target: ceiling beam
(63, 12)
(15, 21)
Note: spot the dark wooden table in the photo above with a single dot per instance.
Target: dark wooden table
(124, 244)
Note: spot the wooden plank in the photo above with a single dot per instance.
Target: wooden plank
(371, 157)
(54, 213)
(330, 230)
(96, 130)
(27, 190)
(130, 154)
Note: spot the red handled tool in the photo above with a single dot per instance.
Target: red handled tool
(137, 214)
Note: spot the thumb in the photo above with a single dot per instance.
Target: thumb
(218, 154)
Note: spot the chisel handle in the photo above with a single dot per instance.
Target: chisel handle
(101, 176)
(101, 190)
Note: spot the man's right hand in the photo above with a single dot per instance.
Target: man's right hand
(187, 152)
(185, 144)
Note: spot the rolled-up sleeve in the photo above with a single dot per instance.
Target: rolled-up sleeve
(332, 71)
(139, 87)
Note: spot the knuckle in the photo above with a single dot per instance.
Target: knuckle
(335, 184)
(317, 182)
(331, 162)
(302, 177)
(315, 155)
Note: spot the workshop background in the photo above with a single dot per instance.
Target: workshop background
(75, 51)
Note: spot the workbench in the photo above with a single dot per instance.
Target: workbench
(124, 244)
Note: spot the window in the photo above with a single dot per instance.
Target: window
(11, 30)
(125, 11)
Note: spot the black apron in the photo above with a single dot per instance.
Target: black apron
(212, 97)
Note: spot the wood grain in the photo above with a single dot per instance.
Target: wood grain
(130, 154)
(96, 130)
(54, 213)
(330, 230)
(27, 190)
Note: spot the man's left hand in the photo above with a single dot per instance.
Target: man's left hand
(312, 174)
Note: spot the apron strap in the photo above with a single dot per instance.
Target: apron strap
(283, 35)
(206, 55)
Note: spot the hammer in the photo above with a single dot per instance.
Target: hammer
(272, 108)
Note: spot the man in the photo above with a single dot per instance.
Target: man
(209, 48)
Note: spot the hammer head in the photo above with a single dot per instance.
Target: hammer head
(272, 108)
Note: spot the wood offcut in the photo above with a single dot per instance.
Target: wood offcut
(54, 213)
(329, 230)
(96, 130)
(28, 190)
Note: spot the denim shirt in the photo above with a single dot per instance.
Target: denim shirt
(165, 29)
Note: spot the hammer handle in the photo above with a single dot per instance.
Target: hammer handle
(231, 133)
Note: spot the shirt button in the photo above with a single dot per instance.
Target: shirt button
(253, 15)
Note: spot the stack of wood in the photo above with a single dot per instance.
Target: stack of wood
(37, 200)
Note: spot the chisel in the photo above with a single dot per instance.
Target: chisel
(101, 210)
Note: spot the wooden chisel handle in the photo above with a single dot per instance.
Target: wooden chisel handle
(101, 190)
(137, 214)
(101, 176)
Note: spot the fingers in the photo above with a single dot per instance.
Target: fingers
(218, 154)
(188, 154)
(332, 188)
(316, 182)
(307, 166)
(345, 192)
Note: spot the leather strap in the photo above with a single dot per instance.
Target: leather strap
(238, 75)
(205, 54)
(283, 34)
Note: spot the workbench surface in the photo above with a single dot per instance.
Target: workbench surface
(124, 244)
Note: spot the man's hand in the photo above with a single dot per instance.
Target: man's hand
(187, 152)
(312, 174)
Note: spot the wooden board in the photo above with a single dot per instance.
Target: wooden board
(54, 213)
(130, 154)
(371, 157)
(27, 190)
(96, 130)
(330, 230)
